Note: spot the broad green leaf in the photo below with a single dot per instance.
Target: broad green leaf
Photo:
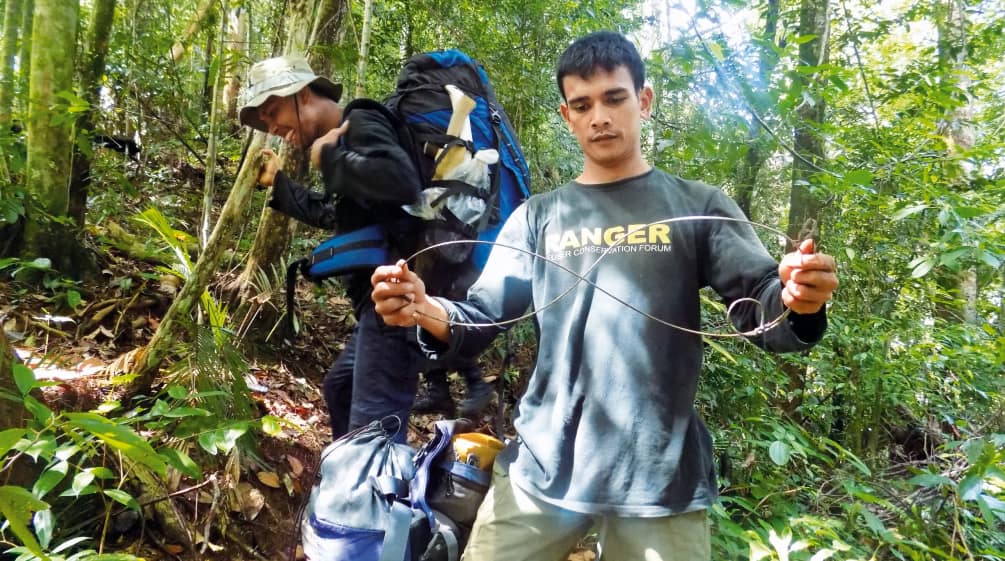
(930, 480)
(779, 452)
(38, 410)
(823, 554)
(905, 212)
(24, 378)
(716, 50)
(80, 482)
(178, 392)
(181, 462)
(124, 498)
(992, 504)
(16, 504)
(44, 445)
(271, 425)
(73, 298)
(859, 177)
(990, 259)
(9, 438)
(968, 211)
(120, 438)
(49, 479)
(923, 268)
(70, 543)
(43, 522)
(971, 487)
(873, 522)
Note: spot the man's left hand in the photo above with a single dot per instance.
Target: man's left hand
(808, 279)
(331, 137)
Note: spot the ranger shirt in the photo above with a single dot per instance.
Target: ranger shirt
(607, 423)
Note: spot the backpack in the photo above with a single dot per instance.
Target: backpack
(423, 105)
(378, 500)
(420, 110)
(358, 510)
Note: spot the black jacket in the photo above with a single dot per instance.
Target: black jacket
(368, 175)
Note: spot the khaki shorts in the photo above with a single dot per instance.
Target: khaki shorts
(515, 526)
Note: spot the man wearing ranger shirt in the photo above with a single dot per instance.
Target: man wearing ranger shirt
(608, 435)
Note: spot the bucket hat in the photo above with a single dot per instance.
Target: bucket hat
(280, 76)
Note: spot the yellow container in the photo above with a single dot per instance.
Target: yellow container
(476, 449)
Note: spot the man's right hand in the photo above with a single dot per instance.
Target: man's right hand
(399, 297)
(270, 165)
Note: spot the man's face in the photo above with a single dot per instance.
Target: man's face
(281, 116)
(605, 113)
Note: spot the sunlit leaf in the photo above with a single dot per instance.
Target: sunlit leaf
(9, 438)
(23, 377)
(780, 452)
(123, 498)
(119, 437)
(971, 487)
(182, 462)
(43, 522)
(271, 425)
(16, 505)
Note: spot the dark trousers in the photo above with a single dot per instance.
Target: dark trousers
(376, 375)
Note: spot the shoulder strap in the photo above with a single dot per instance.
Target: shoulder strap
(443, 434)
(372, 105)
(393, 490)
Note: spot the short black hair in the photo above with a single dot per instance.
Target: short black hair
(602, 49)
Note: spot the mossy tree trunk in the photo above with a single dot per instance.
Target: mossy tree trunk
(8, 48)
(102, 18)
(47, 233)
(758, 147)
(808, 143)
(24, 53)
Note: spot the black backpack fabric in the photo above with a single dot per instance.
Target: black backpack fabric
(420, 110)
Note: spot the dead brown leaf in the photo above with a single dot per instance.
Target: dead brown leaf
(251, 500)
(296, 466)
(269, 478)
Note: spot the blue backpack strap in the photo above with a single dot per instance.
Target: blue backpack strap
(443, 434)
(394, 490)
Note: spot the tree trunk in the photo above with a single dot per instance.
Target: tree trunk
(237, 38)
(50, 141)
(90, 84)
(209, 185)
(24, 55)
(959, 134)
(364, 46)
(203, 16)
(757, 149)
(804, 205)
(8, 48)
(150, 358)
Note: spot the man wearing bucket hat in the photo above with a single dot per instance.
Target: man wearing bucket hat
(370, 176)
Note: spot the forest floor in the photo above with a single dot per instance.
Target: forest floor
(118, 313)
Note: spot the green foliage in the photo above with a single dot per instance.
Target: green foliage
(79, 474)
